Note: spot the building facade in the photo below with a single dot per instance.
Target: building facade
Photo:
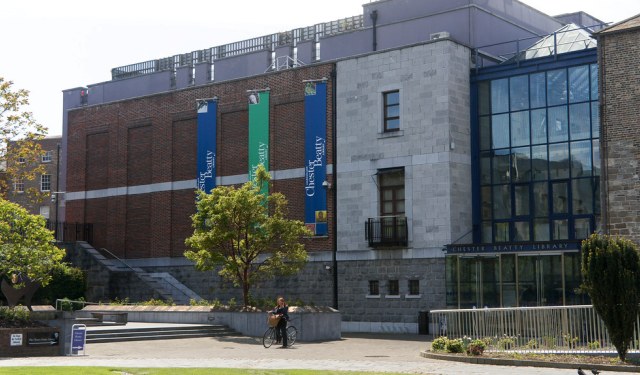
(454, 176)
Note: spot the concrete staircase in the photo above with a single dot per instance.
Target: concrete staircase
(160, 332)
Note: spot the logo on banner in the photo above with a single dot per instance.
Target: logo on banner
(208, 173)
(310, 89)
(310, 178)
(202, 105)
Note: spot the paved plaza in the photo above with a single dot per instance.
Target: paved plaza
(362, 352)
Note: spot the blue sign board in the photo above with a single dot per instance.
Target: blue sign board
(207, 125)
(78, 337)
(315, 150)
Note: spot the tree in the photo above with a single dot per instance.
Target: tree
(26, 246)
(19, 136)
(246, 234)
(611, 273)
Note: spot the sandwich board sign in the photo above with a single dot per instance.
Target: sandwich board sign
(78, 339)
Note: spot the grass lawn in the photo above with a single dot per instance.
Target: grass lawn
(63, 370)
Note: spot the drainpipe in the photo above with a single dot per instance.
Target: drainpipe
(374, 19)
(334, 224)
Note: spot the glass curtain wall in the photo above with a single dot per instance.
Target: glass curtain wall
(539, 156)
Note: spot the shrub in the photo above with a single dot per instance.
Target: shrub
(549, 342)
(532, 344)
(593, 345)
(67, 282)
(157, 302)
(507, 343)
(455, 346)
(476, 347)
(569, 340)
(14, 317)
(439, 343)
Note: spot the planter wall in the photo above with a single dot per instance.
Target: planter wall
(311, 325)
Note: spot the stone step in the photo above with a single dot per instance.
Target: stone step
(157, 333)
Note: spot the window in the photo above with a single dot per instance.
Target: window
(391, 111)
(391, 184)
(414, 287)
(374, 288)
(45, 182)
(46, 157)
(21, 159)
(18, 185)
(44, 212)
(394, 288)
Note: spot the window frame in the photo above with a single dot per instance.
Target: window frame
(47, 157)
(386, 118)
(374, 286)
(18, 185)
(393, 288)
(43, 177)
(394, 189)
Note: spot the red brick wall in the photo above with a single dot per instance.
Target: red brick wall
(153, 140)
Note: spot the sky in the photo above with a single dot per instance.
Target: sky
(51, 46)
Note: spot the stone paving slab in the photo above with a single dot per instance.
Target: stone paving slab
(361, 352)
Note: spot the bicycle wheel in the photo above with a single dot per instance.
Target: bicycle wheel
(292, 334)
(269, 337)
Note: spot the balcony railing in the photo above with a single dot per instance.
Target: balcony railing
(386, 231)
(71, 232)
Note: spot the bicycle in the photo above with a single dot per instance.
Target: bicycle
(269, 338)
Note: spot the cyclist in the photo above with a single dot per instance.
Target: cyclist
(282, 311)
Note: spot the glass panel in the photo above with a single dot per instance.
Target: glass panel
(558, 129)
(560, 203)
(392, 124)
(521, 200)
(451, 275)
(596, 157)
(594, 81)
(579, 84)
(485, 168)
(521, 164)
(582, 190)
(551, 280)
(400, 193)
(400, 207)
(519, 92)
(561, 229)
(541, 230)
(501, 162)
(540, 199)
(501, 202)
(581, 228)
(527, 281)
(500, 131)
(483, 98)
(387, 195)
(539, 163)
(573, 279)
(581, 159)
(559, 160)
(502, 232)
(499, 95)
(509, 294)
(468, 283)
(595, 120)
(387, 208)
(490, 285)
(521, 231)
(580, 121)
(486, 202)
(487, 232)
(485, 133)
(393, 111)
(537, 90)
(538, 126)
(393, 97)
(556, 87)
(596, 195)
(520, 129)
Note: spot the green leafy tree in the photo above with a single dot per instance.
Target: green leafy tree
(611, 273)
(19, 136)
(246, 234)
(26, 245)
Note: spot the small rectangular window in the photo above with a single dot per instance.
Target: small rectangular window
(394, 288)
(44, 211)
(47, 156)
(414, 287)
(21, 159)
(374, 288)
(391, 111)
(45, 182)
(18, 185)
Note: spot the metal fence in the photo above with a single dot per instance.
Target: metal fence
(550, 329)
(71, 232)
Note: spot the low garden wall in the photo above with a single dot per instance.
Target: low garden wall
(313, 323)
(30, 342)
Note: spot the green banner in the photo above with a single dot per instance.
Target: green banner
(259, 134)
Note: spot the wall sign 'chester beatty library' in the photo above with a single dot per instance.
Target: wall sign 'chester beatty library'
(315, 150)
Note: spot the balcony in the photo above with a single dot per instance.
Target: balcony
(386, 231)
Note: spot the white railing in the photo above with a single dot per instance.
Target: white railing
(548, 329)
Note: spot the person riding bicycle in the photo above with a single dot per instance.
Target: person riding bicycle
(282, 311)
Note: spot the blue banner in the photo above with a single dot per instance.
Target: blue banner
(315, 150)
(207, 123)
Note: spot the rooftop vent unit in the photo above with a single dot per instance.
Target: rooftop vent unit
(440, 35)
